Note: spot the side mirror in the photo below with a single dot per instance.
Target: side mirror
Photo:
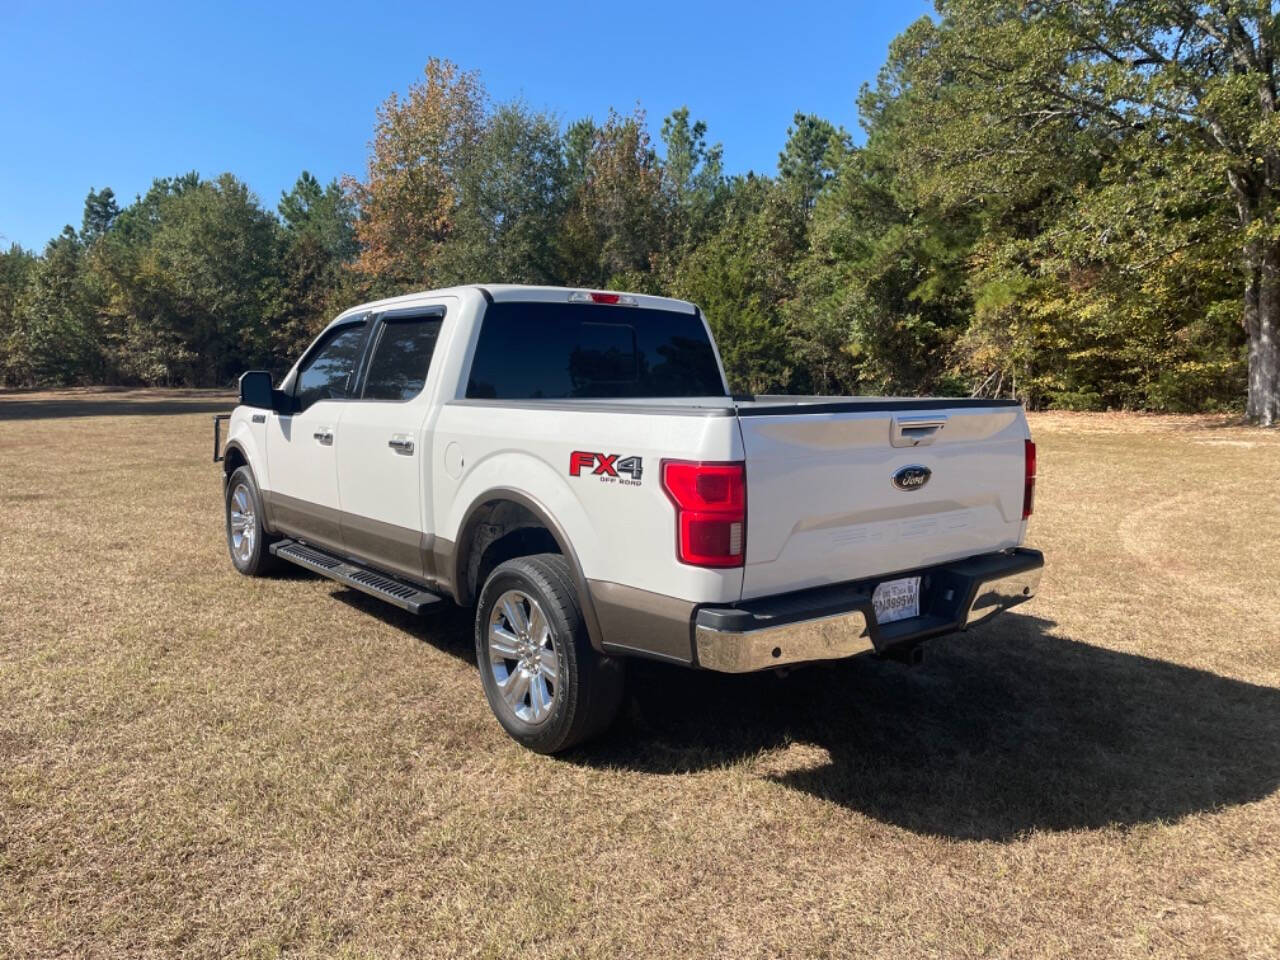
(255, 390)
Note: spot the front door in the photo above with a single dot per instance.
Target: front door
(302, 446)
(382, 464)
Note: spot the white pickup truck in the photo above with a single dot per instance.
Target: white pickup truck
(572, 464)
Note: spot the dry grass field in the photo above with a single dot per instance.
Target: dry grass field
(197, 764)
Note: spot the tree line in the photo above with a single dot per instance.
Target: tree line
(1069, 203)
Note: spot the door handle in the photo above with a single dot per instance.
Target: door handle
(401, 444)
(325, 436)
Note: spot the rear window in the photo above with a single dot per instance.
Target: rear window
(559, 351)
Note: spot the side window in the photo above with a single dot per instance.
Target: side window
(398, 370)
(329, 373)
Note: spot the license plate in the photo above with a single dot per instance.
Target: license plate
(897, 600)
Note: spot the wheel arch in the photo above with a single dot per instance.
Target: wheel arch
(239, 453)
(481, 507)
(233, 458)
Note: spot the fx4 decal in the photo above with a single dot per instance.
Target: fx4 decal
(607, 466)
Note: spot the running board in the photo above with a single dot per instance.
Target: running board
(404, 595)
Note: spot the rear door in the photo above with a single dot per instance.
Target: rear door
(382, 463)
(854, 489)
(302, 445)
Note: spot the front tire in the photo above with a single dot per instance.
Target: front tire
(545, 683)
(247, 539)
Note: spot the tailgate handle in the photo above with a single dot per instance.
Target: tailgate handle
(915, 431)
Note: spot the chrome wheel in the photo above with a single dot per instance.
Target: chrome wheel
(522, 656)
(244, 525)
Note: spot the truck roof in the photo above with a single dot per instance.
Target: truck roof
(499, 292)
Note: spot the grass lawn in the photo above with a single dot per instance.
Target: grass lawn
(193, 763)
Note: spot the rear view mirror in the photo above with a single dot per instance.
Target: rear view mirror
(255, 389)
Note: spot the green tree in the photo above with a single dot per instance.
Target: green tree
(325, 213)
(193, 278)
(16, 268)
(317, 246)
(881, 293)
(512, 200)
(1164, 107)
(100, 212)
(58, 318)
(811, 156)
(693, 175)
(741, 276)
(578, 141)
(616, 222)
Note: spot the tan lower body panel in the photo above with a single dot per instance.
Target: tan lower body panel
(639, 622)
(386, 546)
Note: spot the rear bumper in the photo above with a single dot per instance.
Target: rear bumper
(834, 622)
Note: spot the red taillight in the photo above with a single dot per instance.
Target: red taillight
(1029, 482)
(711, 511)
(605, 298)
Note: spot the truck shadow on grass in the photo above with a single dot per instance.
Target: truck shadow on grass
(1003, 730)
(1006, 729)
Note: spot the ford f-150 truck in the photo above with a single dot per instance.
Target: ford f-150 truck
(572, 465)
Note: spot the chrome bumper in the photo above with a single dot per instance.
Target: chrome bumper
(1001, 594)
(827, 638)
(837, 622)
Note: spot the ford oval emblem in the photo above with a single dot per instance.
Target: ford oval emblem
(912, 478)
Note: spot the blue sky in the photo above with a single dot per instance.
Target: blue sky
(100, 95)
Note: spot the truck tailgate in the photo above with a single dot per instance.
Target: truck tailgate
(823, 505)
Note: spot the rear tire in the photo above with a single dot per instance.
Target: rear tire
(247, 539)
(545, 683)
